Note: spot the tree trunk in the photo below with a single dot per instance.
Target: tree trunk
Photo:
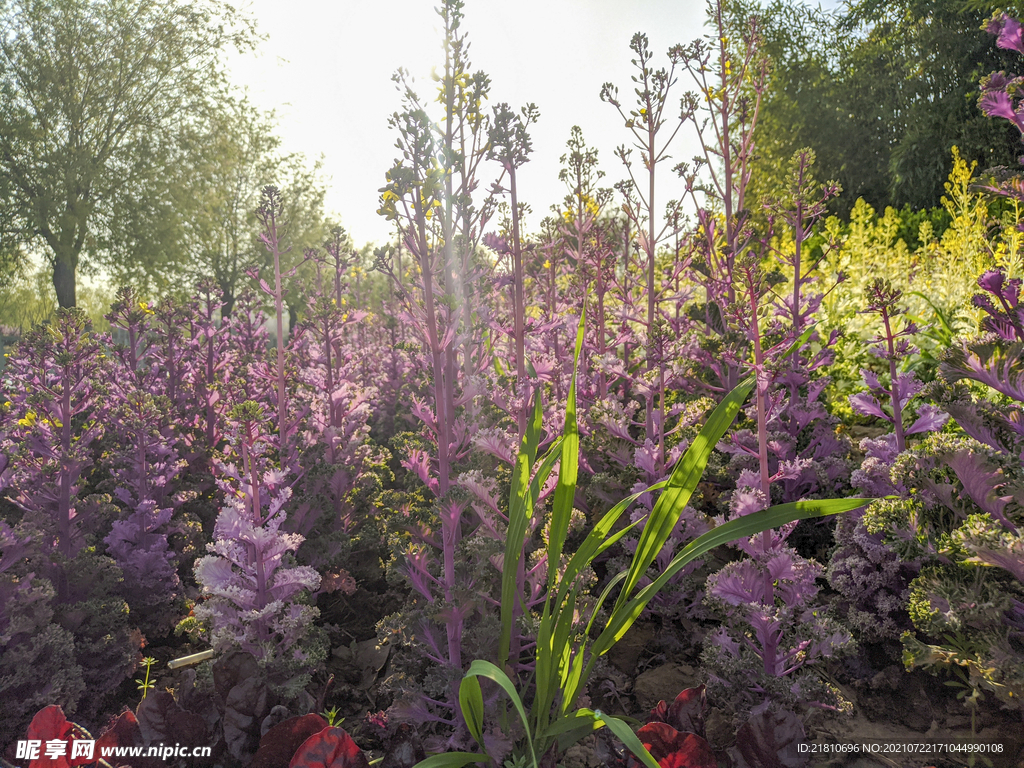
(64, 281)
(293, 318)
(228, 299)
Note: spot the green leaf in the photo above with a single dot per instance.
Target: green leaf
(625, 734)
(569, 729)
(622, 617)
(561, 512)
(596, 540)
(519, 514)
(481, 668)
(568, 469)
(681, 484)
(452, 760)
(471, 702)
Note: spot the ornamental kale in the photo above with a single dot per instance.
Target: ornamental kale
(773, 623)
(892, 346)
(55, 411)
(963, 518)
(144, 464)
(37, 655)
(252, 591)
(871, 578)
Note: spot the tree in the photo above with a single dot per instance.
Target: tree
(93, 96)
(233, 153)
(881, 91)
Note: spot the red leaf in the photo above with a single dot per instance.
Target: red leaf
(50, 724)
(125, 732)
(673, 749)
(331, 748)
(687, 712)
(280, 743)
(696, 753)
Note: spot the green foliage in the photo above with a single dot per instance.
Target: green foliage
(954, 526)
(232, 153)
(565, 656)
(881, 91)
(92, 98)
(937, 276)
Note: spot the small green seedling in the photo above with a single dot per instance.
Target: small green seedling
(144, 685)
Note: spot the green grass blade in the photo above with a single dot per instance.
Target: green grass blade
(596, 541)
(625, 734)
(519, 513)
(547, 463)
(471, 702)
(623, 616)
(681, 484)
(548, 644)
(452, 760)
(569, 729)
(481, 668)
(565, 491)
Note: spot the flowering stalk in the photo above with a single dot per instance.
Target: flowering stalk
(411, 197)
(57, 410)
(511, 146)
(646, 123)
(892, 346)
(269, 213)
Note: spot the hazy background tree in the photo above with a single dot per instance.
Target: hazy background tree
(881, 90)
(94, 97)
(231, 155)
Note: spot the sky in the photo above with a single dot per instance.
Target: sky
(326, 68)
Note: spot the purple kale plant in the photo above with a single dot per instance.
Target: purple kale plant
(143, 460)
(892, 346)
(654, 126)
(54, 382)
(774, 627)
(439, 282)
(341, 469)
(872, 581)
(37, 655)
(252, 590)
(212, 369)
(797, 443)
(959, 520)
(270, 214)
(57, 405)
(773, 624)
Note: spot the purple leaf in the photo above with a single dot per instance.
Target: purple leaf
(865, 403)
(770, 740)
(929, 419)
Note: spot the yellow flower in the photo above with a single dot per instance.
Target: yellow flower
(547, 264)
(29, 420)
